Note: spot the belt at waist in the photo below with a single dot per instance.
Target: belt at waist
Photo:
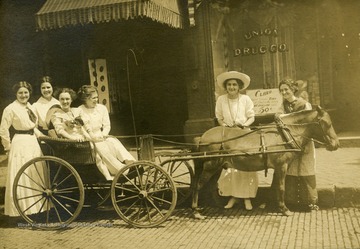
(30, 132)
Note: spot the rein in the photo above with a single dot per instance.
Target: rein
(305, 124)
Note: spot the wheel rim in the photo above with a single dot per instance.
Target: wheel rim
(48, 193)
(147, 198)
(181, 172)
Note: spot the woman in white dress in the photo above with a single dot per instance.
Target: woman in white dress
(43, 104)
(234, 109)
(22, 148)
(66, 120)
(69, 125)
(97, 124)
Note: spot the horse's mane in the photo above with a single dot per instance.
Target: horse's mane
(298, 117)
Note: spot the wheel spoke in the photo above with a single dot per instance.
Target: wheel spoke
(42, 187)
(65, 179)
(131, 182)
(40, 177)
(161, 199)
(57, 212)
(61, 205)
(28, 197)
(66, 190)
(36, 202)
(157, 179)
(42, 205)
(159, 190)
(131, 206)
(156, 208)
(68, 198)
(127, 198)
(57, 173)
(182, 183)
(26, 187)
(183, 174)
(127, 189)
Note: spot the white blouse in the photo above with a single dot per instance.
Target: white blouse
(96, 119)
(66, 121)
(234, 111)
(41, 107)
(15, 115)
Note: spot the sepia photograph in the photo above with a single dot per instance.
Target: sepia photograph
(180, 124)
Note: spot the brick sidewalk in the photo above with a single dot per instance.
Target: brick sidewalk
(236, 228)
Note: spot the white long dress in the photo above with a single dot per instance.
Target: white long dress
(23, 148)
(112, 151)
(233, 182)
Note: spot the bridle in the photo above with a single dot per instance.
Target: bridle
(317, 123)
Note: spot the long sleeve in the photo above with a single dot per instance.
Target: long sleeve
(249, 108)
(106, 126)
(6, 122)
(218, 110)
(57, 123)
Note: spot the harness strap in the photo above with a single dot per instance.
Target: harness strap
(222, 138)
(263, 150)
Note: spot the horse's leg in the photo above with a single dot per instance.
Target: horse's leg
(203, 174)
(279, 178)
(198, 167)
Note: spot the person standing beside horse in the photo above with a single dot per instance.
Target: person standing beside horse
(300, 181)
(235, 109)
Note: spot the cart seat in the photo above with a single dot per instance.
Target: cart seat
(73, 152)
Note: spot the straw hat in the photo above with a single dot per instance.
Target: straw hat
(233, 75)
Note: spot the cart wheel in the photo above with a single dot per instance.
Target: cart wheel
(181, 172)
(143, 194)
(48, 193)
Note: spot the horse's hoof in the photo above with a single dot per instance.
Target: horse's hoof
(198, 216)
(262, 206)
(287, 213)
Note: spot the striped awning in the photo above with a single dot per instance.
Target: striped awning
(56, 14)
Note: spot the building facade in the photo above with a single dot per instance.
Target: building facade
(317, 42)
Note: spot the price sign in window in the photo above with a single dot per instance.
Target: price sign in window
(266, 101)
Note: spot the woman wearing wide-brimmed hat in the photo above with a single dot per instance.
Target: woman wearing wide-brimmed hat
(235, 109)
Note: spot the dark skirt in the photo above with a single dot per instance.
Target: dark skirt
(300, 191)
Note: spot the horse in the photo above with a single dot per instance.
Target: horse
(270, 146)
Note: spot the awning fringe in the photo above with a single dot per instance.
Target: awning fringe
(59, 14)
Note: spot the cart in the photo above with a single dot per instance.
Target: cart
(143, 193)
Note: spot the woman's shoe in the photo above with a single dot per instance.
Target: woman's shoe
(231, 203)
(248, 205)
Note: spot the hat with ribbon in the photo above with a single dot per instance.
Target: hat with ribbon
(221, 78)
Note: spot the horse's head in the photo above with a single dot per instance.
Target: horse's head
(327, 132)
(315, 124)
